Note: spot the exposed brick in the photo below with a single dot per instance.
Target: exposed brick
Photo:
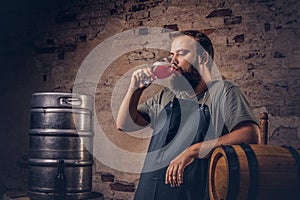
(117, 9)
(143, 6)
(216, 22)
(137, 7)
(69, 40)
(113, 12)
(208, 31)
(141, 1)
(281, 134)
(124, 187)
(141, 55)
(137, 16)
(143, 31)
(220, 13)
(129, 17)
(139, 23)
(61, 55)
(173, 27)
(83, 38)
(291, 22)
(263, 1)
(267, 27)
(233, 20)
(254, 54)
(108, 178)
(239, 38)
(250, 66)
(97, 21)
(294, 72)
(83, 23)
(279, 55)
(70, 47)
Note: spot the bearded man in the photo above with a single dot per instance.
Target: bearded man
(194, 115)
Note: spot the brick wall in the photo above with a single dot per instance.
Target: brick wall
(256, 44)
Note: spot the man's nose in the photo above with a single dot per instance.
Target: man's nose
(174, 60)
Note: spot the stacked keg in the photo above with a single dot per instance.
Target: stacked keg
(61, 129)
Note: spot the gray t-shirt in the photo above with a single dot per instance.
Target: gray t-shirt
(227, 105)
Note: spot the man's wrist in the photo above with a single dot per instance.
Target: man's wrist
(133, 89)
(194, 150)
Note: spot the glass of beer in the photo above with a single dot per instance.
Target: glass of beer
(160, 70)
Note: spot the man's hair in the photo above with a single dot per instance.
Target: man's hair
(204, 42)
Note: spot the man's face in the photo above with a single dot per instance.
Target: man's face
(183, 53)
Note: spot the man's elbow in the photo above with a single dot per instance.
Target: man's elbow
(254, 135)
(248, 132)
(120, 122)
(121, 126)
(128, 127)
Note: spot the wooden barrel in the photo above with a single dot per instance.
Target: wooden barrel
(254, 172)
(60, 129)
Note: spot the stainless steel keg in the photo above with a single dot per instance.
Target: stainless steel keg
(61, 128)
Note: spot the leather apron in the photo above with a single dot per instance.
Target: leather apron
(180, 124)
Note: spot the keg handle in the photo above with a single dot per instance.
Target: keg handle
(70, 101)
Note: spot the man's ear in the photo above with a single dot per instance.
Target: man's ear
(203, 58)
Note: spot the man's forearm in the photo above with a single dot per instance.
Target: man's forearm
(246, 133)
(128, 117)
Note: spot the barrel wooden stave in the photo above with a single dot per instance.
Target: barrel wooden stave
(277, 173)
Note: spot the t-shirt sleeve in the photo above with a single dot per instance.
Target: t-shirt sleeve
(237, 108)
(151, 108)
(146, 109)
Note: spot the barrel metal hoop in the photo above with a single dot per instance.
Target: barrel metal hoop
(234, 172)
(60, 110)
(52, 162)
(60, 132)
(253, 171)
(296, 156)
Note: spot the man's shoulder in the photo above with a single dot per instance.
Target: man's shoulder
(165, 96)
(224, 84)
